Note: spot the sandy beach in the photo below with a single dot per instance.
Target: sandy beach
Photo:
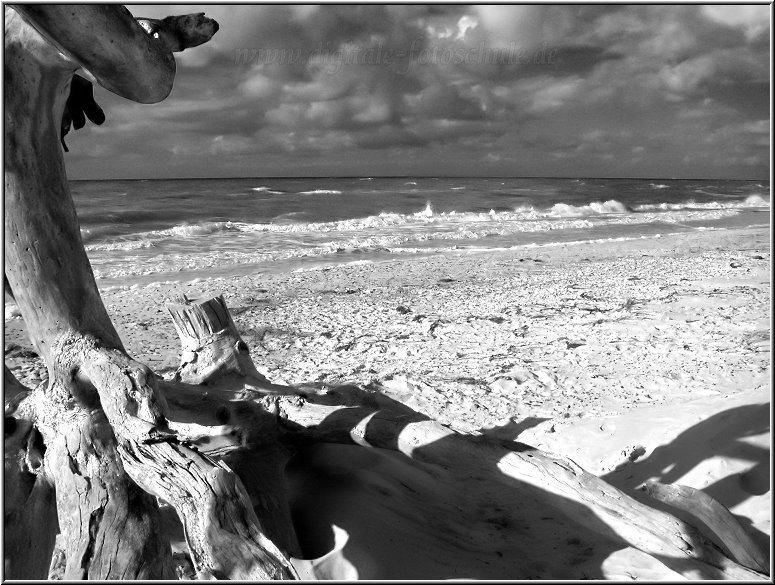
(641, 359)
(503, 273)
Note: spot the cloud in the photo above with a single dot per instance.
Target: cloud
(754, 20)
(389, 137)
(232, 144)
(546, 94)
(259, 86)
(438, 101)
(757, 127)
(336, 82)
(745, 137)
(685, 77)
(525, 25)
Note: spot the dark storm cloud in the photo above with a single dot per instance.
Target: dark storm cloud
(581, 85)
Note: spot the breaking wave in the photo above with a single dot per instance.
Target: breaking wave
(594, 208)
(321, 192)
(391, 228)
(754, 200)
(267, 190)
(149, 239)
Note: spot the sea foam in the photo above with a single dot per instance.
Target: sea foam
(321, 192)
(754, 200)
(594, 208)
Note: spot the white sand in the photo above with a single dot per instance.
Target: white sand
(638, 360)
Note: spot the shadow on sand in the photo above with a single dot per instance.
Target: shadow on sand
(407, 519)
(719, 436)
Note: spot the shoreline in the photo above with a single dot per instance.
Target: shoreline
(217, 257)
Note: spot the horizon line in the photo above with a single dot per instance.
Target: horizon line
(276, 177)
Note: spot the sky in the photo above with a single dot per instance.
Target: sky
(670, 91)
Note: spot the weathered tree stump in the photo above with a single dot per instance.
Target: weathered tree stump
(213, 353)
(212, 348)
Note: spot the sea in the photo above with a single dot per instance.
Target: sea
(174, 230)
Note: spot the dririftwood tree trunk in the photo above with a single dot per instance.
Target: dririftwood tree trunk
(30, 523)
(53, 284)
(107, 444)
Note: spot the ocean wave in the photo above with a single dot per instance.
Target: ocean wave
(594, 208)
(120, 245)
(392, 228)
(288, 217)
(427, 212)
(347, 247)
(389, 233)
(150, 239)
(95, 233)
(200, 229)
(659, 186)
(430, 224)
(267, 190)
(754, 200)
(321, 192)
